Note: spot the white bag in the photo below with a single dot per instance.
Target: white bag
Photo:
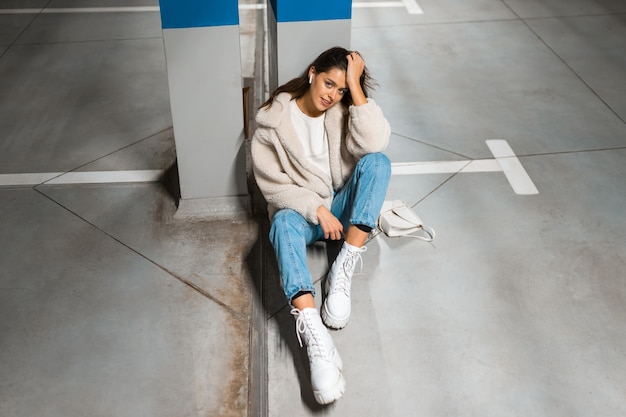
(401, 220)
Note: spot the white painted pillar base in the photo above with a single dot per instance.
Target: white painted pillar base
(215, 208)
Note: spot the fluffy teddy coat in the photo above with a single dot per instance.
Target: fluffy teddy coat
(285, 176)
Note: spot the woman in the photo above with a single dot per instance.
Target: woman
(317, 161)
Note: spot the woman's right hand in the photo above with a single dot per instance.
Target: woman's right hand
(331, 226)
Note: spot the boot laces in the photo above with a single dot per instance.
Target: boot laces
(343, 280)
(314, 345)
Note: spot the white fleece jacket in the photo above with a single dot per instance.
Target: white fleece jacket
(285, 176)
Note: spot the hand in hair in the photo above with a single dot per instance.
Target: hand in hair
(356, 66)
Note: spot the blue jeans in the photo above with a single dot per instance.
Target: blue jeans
(358, 202)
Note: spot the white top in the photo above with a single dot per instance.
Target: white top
(312, 136)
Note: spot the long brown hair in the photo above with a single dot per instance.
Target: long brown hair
(332, 58)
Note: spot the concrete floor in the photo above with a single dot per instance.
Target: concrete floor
(110, 306)
(518, 307)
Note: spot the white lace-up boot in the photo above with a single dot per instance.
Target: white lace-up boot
(336, 309)
(324, 360)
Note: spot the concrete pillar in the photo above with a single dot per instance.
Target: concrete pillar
(299, 30)
(202, 52)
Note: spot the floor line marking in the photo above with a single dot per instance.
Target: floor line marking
(505, 161)
(8, 180)
(411, 6)
(82, 177)
(69, 10)
(102, 9)
(512, 167)
(433, 167)
(377, 4)
(107, 177)
(445, 167)
(20, 11)
(252, 6)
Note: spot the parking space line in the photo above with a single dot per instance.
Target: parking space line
(411, 6)
(512, 167)
(107, 177)
(445, 167)
(83, 177)
(101, 9)
(11, 180)
(433, 167)
(377, 4)
(505, 161)
(68, 10)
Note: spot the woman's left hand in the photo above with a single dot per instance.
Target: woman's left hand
(356, 65)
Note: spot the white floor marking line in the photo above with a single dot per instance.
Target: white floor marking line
(252, 6)
(377, 4)
(81, 10)
(101, 9)
(8, 180)
(445, 167)
(86, 177)
(512, 167)
(505, 161)
(107, 177)
(412, 7)
(409, 4)
(20, 11)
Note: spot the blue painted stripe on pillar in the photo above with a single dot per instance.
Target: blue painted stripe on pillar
(178, 14)
(307, 10)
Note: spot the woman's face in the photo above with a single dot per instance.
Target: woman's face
(326, 90)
